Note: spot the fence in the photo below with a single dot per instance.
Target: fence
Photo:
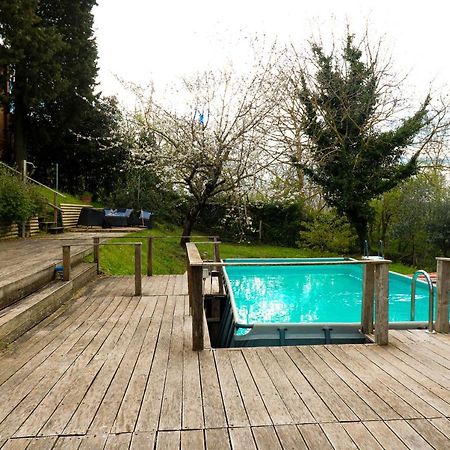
(97, 244)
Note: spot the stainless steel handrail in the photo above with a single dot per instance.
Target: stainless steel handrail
(430, 298)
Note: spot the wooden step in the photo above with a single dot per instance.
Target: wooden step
(23, 315)
(18, 285)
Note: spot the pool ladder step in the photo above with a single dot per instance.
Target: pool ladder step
(427, 277)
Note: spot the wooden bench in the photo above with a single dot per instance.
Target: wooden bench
(70, 214)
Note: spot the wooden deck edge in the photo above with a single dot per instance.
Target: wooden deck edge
(29, 317)
(22, 287)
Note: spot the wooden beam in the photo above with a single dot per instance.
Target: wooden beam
(193, 255)
(196, 294)
(66, 262)
(443, 292)
(150, 257)
(137, 269)
(368, 299)
(382, 302)
(217, 259)
(97, 253)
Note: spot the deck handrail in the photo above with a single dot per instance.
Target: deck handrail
(97, 244)
(32, 179)
(430, 297)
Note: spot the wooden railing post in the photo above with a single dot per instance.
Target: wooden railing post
(97, 253)
(150, 257)
(368, 298)
(137, 269)
(217, 259)
(443, 292)
(196, 296)
(66, 262)
(381, 302)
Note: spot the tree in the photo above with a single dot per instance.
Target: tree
(49, 49)
(218, 145)
(360, 144)
(29, 50)
(72, 127)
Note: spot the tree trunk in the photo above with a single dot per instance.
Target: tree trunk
(360, 224)
(20, 151)
(188, 224)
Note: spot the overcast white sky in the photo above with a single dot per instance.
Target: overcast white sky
(142, 40)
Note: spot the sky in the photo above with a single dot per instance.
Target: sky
(144, 41)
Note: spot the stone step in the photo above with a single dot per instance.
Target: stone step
(23, 315)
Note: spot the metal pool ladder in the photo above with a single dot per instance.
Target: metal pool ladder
(430, 298)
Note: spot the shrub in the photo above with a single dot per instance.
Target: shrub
(328, 232)
(18, 201)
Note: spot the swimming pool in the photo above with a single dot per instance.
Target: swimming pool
(314, 298)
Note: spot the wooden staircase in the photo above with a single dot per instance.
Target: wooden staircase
(27, 300)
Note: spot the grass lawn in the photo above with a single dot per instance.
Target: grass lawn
(169, 257)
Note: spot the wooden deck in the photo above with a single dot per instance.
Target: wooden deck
(116, 372)
(24, 257)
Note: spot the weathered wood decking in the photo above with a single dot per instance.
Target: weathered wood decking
(116, 371)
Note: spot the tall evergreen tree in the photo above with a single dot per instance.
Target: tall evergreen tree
(50, 51)
(29, 50)
(357, 152)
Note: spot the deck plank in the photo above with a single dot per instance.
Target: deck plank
(408, 435)
(430, 433)
(418, 396)
(253, 403)
(314, 437)
(293, 402)
(213, 404)
(242, 439)
(383, 385)
(217, 438)
(361, 436)
(168, 440)
(92, 340)
(266, 438)
(339, 438)
(290, 437)
(277, 410)
(329, 396)
(117, 371)
(129, 409)
(384, 435)
(171, 410)
(234, 406)
(149, 413)
(192, 440)
(315, 404)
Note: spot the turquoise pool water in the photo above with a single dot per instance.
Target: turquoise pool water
(314, 294)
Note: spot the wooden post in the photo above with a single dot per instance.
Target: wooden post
(197, 307)
(97, 253)
(382, 302)
(443, 292)
(189, 280)
(217, 259)
(150, 257)
(66, 262)
(368, 299)
(55, 211)
(137, 269)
